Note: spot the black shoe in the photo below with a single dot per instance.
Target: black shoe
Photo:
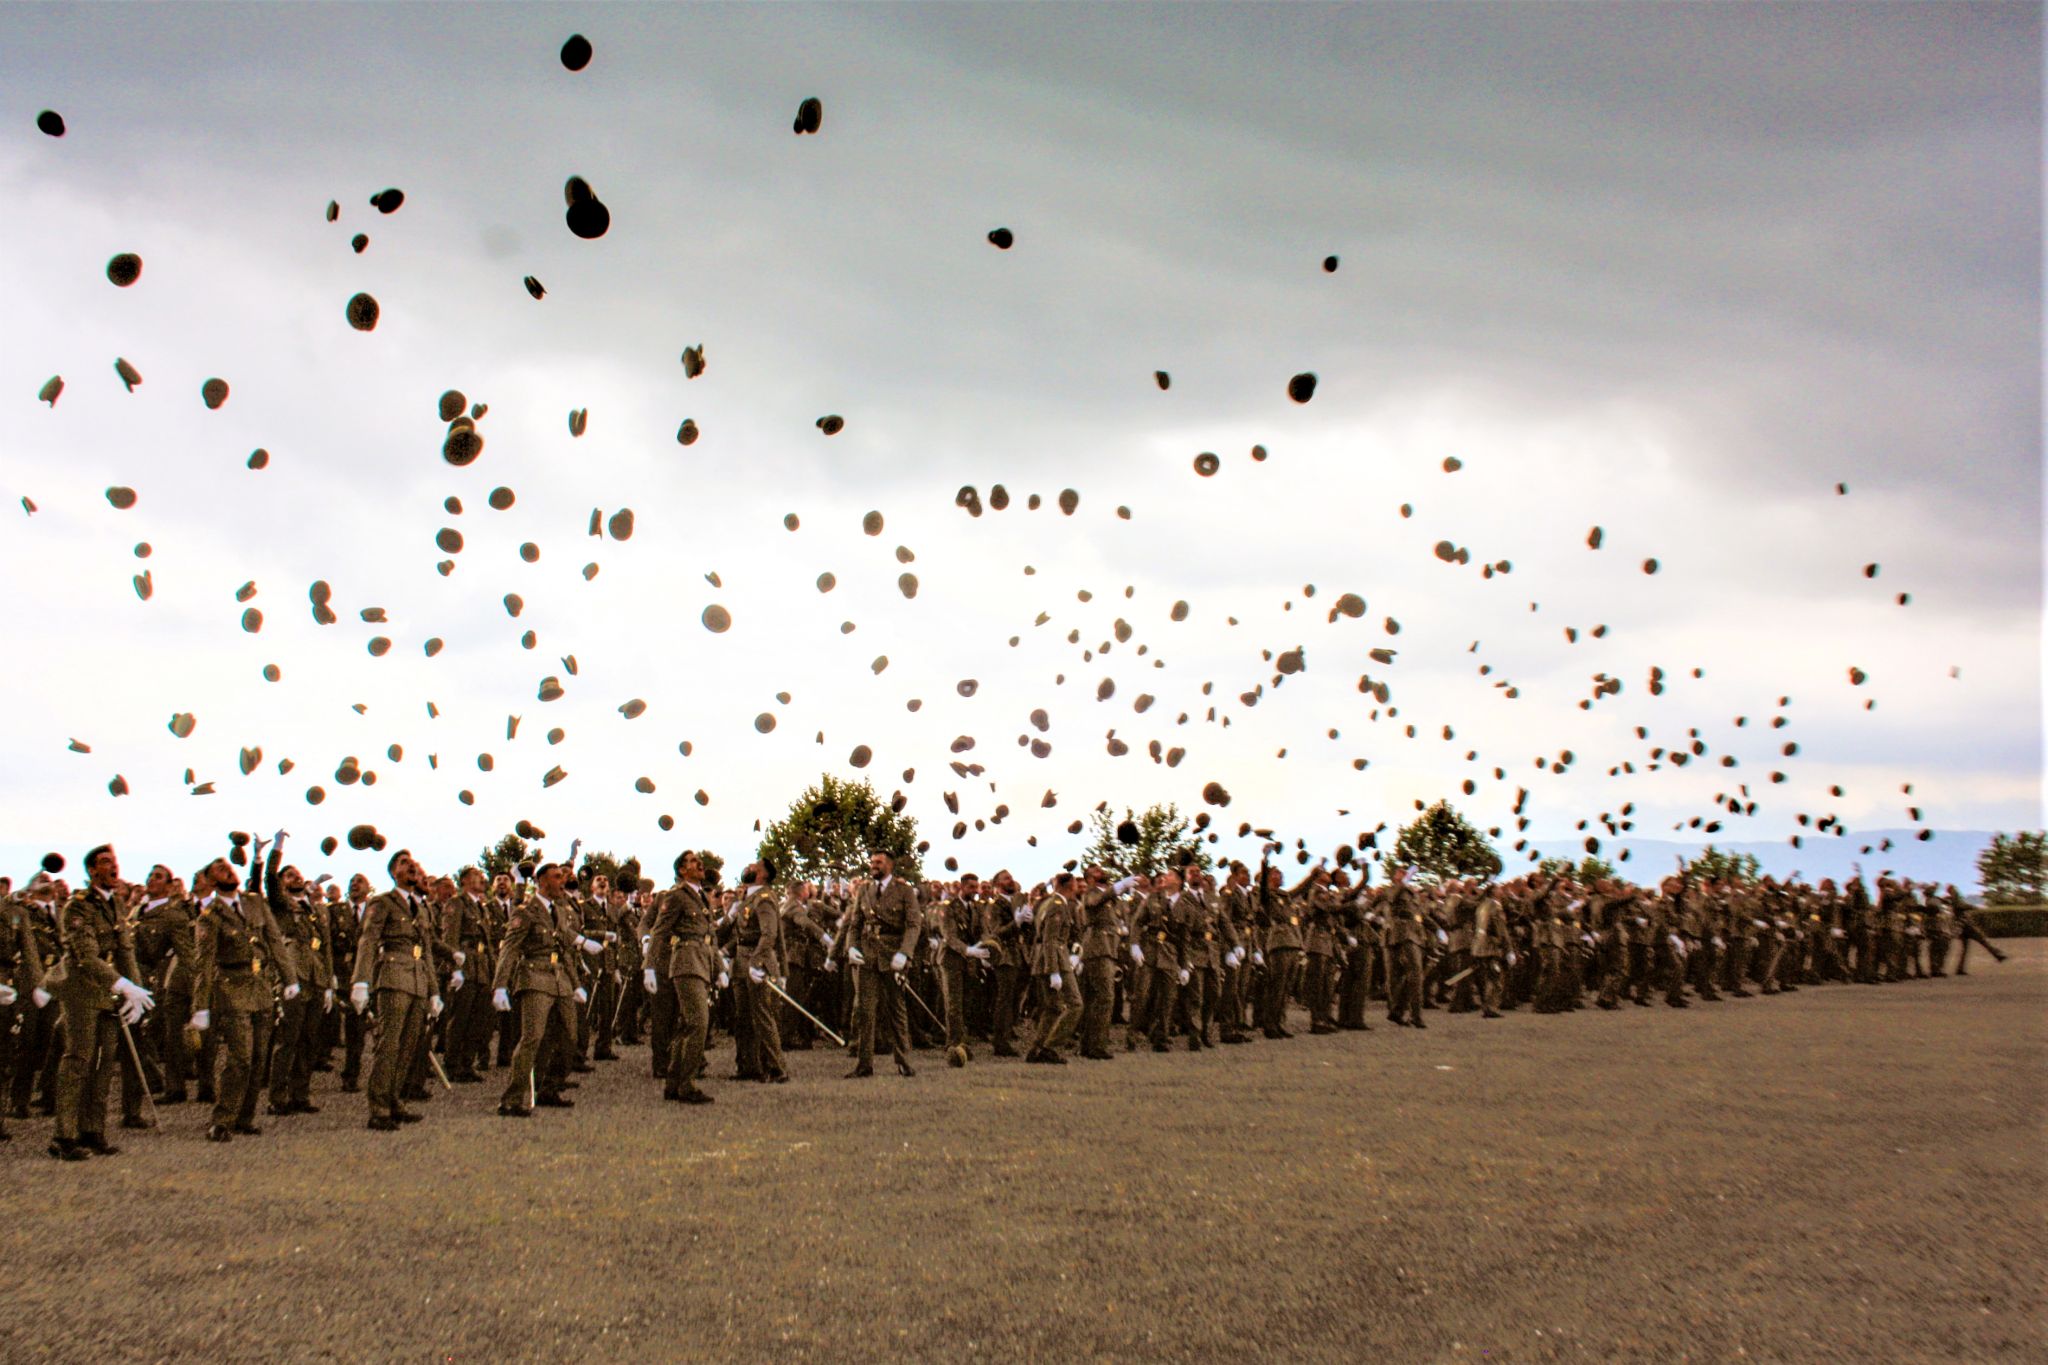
(744, 1076)
(1054, 1059)
(1232, 1039)
(216, 1133)
(277, 1110)
(1743, 995)
(304, 1107)
(1321, 1028)
(505, 1111)
(859, 1072)
(1491, 1014)
(555, 1102)
(606, 1056)
(570, 1085)
(1417, 1023)
(172, 1097)
(904, 1068)
(406, 1116)
(582, 1067)
(1156, 1047)
(137, 1121)
(1195, 1044)
(349, 1086)
(248, 1130)
(416, 1096)
(65, 1149)
(464, 1078)
(1282, 1033)
(97, 1144)
(779, 1078)
(691, 1096)
(383, 1123)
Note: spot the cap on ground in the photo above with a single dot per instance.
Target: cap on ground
(1302, 387)
(717, 619)
(362, 314)
(124, 269)
(576, 52)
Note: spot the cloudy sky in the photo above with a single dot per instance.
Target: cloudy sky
(1671, 271)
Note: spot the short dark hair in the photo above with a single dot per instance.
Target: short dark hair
(883, 853)
(391, 863)
(544, 869)
(93, 855)
(682, 858)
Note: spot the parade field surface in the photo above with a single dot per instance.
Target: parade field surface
(1845, 1173)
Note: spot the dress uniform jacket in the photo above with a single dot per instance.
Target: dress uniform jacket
(1102, 923)
(757, 933)
(99, 948)
(886, 920)
(395, 952)
(239, 948)
(1059, 927)
(1489, 929)
(683, 940)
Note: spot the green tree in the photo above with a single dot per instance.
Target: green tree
(1715, 865)
(599, 863)
(503, 857)
(1589, 869)
(2013, 868)
(1165, 839)
(1441, 844)
(830, 830)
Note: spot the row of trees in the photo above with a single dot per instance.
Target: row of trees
(831, 828)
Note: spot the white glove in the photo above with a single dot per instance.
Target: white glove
(40, 996)
(1137, 955)
(461, 957)
(1054, 980)
(610, 936)
(131, 1010)
(898, 962)
(724, 980)
(1258, 959)
(1021, 915)
(756, 975)
(647, 980)
(853, 956)
(1718, 943)
(1837, 933)
(827, 944)
(590, 945)
(1073, 962)
(646, 943)
(201, 1019)
(977, 952)
(327, 1001)
(1350, 940)
(500, 1001)
(134, 995)
(1442, 937)
(359, 996)
(1184, 976)
(582, 997)
(831, 964)
(1511, 959)
(291, 992)
(433, 1007)
(936, 942)
(8, 995)
(455, 981)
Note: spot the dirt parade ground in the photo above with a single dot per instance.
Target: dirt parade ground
(1846, 1173)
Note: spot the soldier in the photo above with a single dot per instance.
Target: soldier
(1234, 911)
(303, 923)
(805, 943)
(960, 939)
(1941, 927)
(347, 925)
(1005, 926)
(394, 955)
(40, 1025)
(1489, 946)
(1281, 920)
(240, 952)
(757, 953)
(1319, 971)
(99, 971)
(1406, 926)
(682, 948)
(880, 934)
(1967, 930)
(536, 966)
(21, 987)
(1053, 968)
(466, 931)
(1158, 942)
(163, 949)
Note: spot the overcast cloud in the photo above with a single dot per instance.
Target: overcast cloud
(1671, 270)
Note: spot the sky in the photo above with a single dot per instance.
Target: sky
(1672, 271)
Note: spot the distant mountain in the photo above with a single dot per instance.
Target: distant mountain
(1950, 856)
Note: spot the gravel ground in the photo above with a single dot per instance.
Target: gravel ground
(1845, 1173)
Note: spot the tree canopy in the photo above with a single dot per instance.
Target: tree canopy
(2013, 868)
(1718, 865)
(830, 830)
(1440, 844)
(1161, 838)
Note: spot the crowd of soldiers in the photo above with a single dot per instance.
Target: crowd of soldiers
(224, 989)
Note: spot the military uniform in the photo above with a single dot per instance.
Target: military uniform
(395, 960)
(466, 932)
(1280, 921)
(241, 953)
(757, 947)
(1059, 925)
(1489, 946)
(683, 949)
(883, 923)
(1159, 932)
(304, 924)
(1003, 934)
(1407, 924)
(98, 950)
(21, 970)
